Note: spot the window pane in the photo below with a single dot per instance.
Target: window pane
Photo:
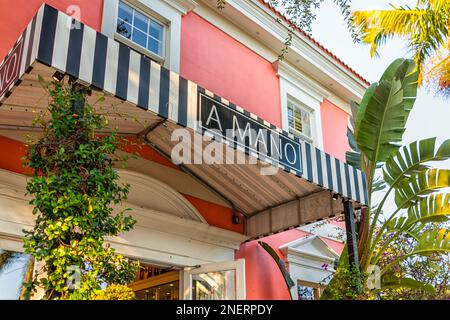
(140, 29)
(156, 30)
(299, 119)
(214, 286)
(140, 22)
(139, 37)
(124, 28)
(155, 46)
(305, 293)
(306, 123)
(125, 12)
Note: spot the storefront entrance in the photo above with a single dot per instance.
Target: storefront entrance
(156, 283)
(214, 281)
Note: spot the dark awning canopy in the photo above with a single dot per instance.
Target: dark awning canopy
(301, 192)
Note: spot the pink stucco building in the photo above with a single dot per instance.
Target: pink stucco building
(172, 63)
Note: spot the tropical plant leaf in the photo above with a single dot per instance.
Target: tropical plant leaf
(378, 185)
(419, 184)
(353, 159)
(351, 140)
(7, 259)
(425, 27)
(384, 110)
(383, 122)
(406, 71)
(434, 208)
(393, 282)
(412, 158)
(361, 109)
(354, 107)
(432, 242)
(280, 263)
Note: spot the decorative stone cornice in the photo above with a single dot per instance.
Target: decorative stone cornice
(183, 6)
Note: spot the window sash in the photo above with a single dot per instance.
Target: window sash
(153, 43)
(299, 119)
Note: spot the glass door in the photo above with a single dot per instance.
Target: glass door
(156, 283)
(215, 281)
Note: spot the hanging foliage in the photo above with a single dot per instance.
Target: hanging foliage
(74, 188)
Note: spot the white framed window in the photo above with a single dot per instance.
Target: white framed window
(299, 119)
(151, 27)
(142, 30)
(301, 100)
(308, 291)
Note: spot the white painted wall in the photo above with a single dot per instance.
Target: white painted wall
(306, 257)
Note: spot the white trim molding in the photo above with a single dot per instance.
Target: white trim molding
(239, 273)
(295, 86)
(183, 6)
(148, 193)
(296, 77)
(306, 258)
(167, 12)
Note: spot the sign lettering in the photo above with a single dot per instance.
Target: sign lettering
(248, 133)
(9, 70)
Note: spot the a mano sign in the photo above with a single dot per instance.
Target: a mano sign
(9, 69)
(249, 133)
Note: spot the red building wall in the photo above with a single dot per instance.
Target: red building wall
(16, 14)
(223, 65)
(334, 130)
(263, 279)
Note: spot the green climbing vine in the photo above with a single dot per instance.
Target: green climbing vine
(74, 188)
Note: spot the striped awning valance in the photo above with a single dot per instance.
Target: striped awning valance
(52, 38)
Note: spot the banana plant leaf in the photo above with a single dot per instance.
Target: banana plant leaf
(412, 159)
(353, 157)
(433, 208)
(384, 110)
(281, 265)
(433, 241)
(410, 189)
(393, 282)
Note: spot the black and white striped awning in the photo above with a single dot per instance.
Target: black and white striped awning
(51, 41)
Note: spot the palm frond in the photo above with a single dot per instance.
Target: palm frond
(377, 26)
(424, 27)
(411, 189)
(413, 158)
(7, 259)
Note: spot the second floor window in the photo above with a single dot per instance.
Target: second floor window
(299, 119)
(140, 29)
